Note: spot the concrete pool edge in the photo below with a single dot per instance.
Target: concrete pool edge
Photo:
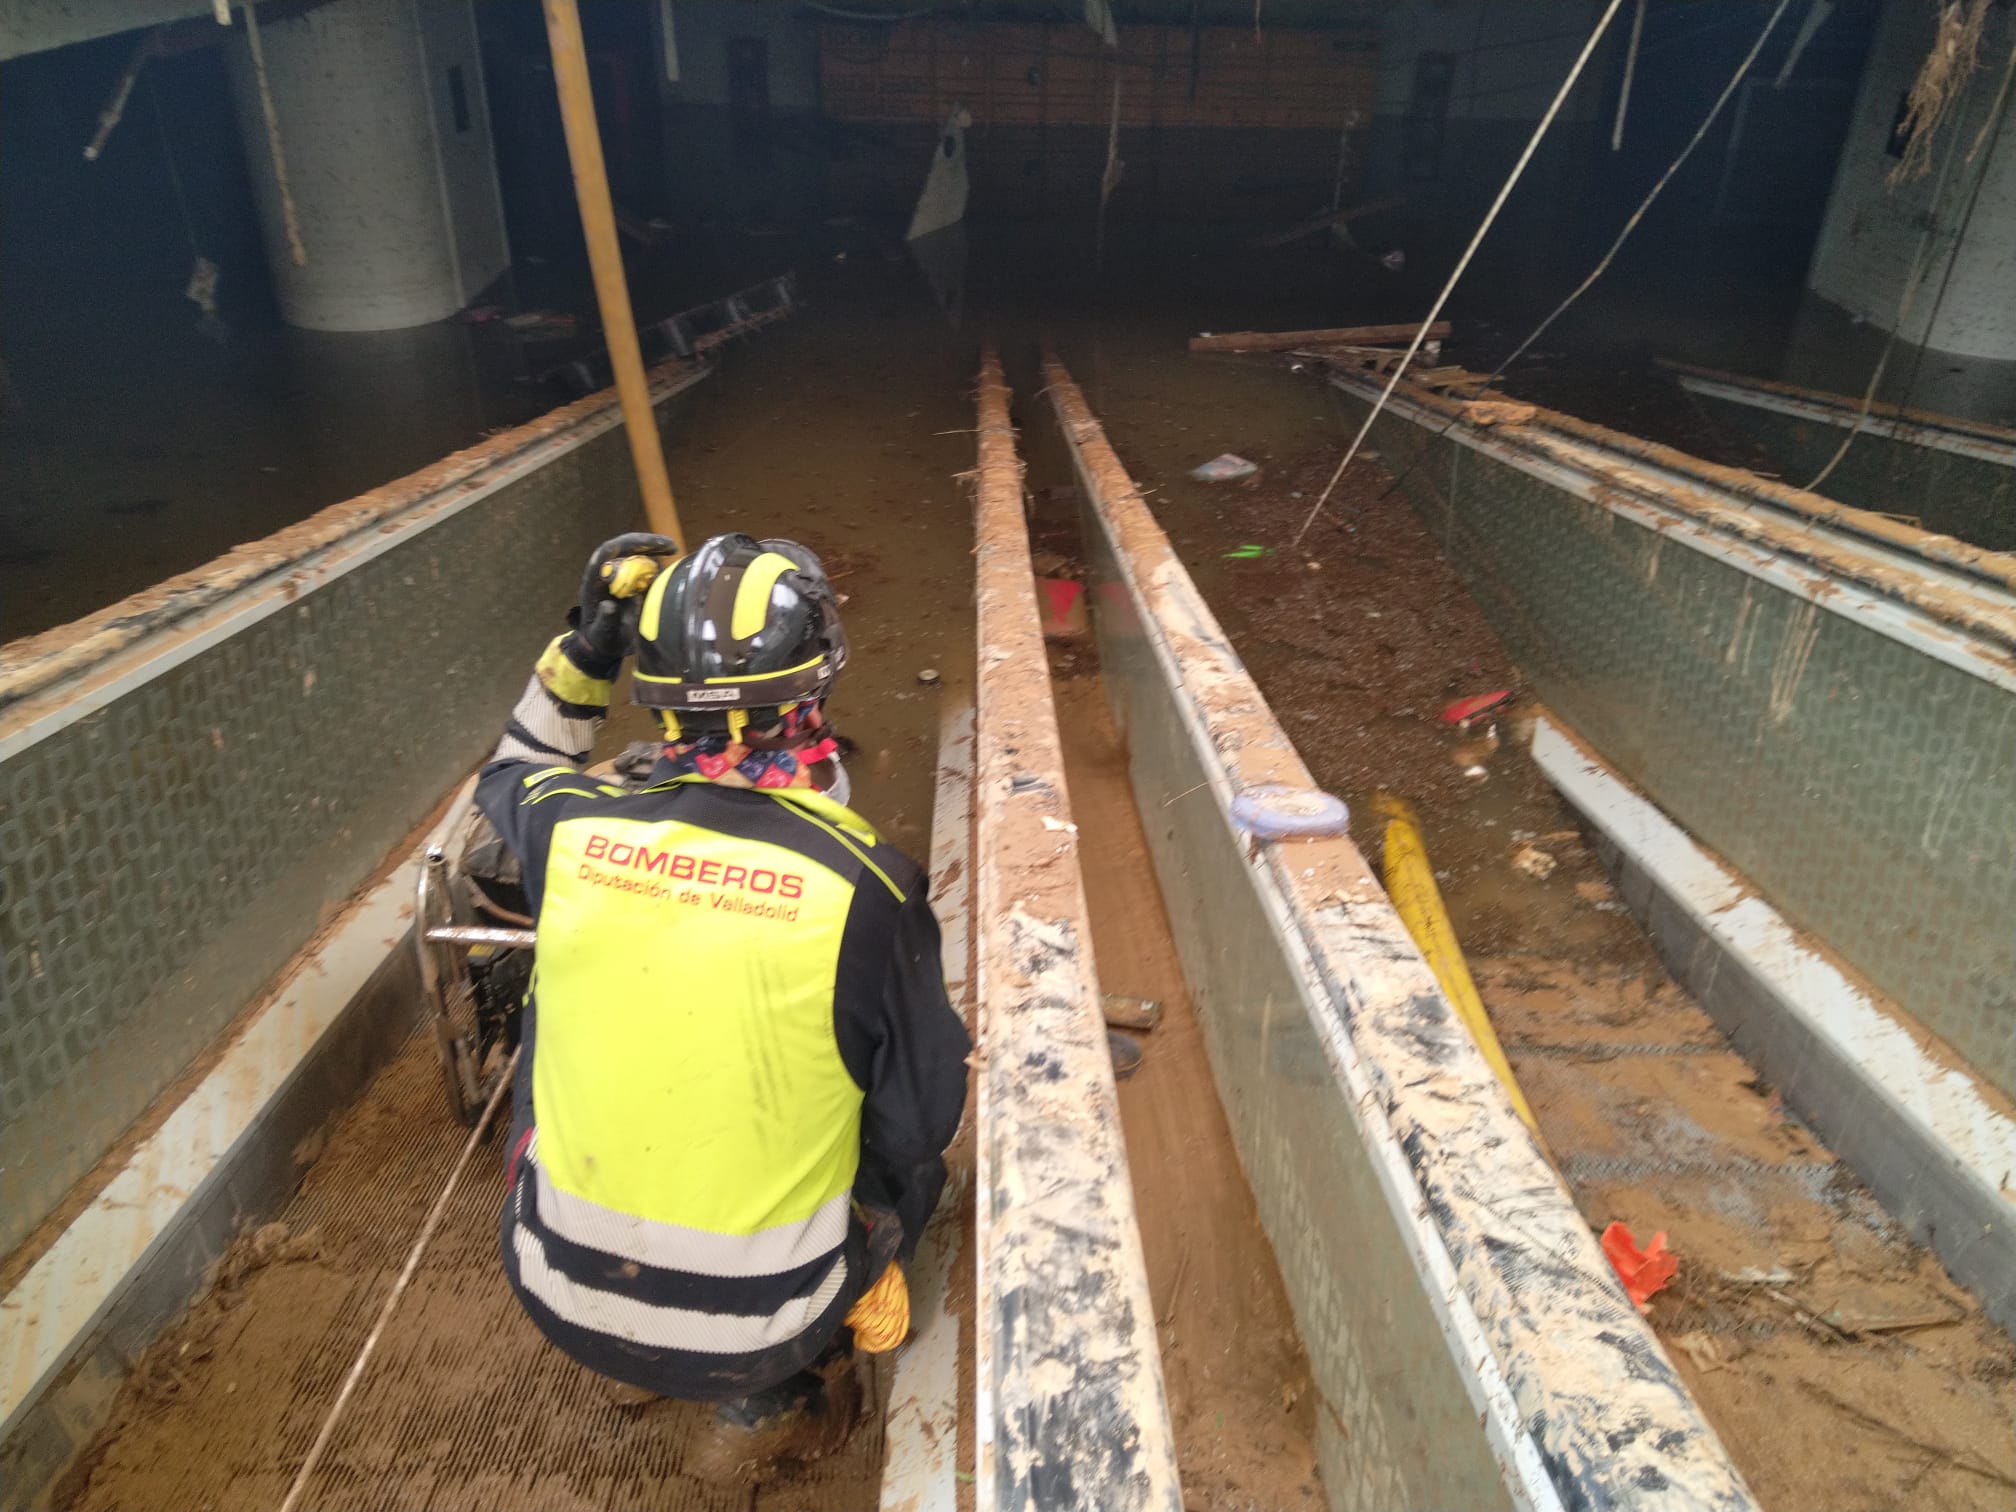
(1499, 1363)
(114, 649)
(1924, 1135)
(1070, 1401)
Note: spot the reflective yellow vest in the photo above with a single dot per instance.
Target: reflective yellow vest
(697, 1132)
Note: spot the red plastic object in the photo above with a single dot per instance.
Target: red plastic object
(1466, 709)
(1063, 607)
(1644, 1272)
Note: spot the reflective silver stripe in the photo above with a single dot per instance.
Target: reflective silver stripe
(668, 1327)
(669, 1246)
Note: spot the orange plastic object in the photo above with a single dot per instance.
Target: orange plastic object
(1644, 1272)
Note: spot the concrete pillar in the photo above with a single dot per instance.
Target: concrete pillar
(1967, 303)
(386, 134)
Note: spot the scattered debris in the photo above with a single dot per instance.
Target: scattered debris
(1125, 1012)
(1466, 711)
(1534, 862)
(1498, 412)
(1393, 261)
(542, 323)
(1288, 341)
(1246, 553)
(1596, 890)
(929, 677)
(1705, 1350)
(1060, 825)
(1644, 1272)
(1224, 468)
(1471, 756)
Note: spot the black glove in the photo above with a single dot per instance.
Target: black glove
(605, 622)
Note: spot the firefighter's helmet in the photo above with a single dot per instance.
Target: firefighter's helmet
(734, 632)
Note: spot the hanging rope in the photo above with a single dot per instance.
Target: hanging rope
(1109, 179)
(1629, 226)
(201, 290)
(1630, 70)
(273, 146)
(1504, 193)
(1915, 278)
(1665, 178)
(174, 173)
(356, 1374)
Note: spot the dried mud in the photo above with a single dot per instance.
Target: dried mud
(1841, 1366)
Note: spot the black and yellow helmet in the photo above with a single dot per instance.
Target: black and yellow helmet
(735, 631)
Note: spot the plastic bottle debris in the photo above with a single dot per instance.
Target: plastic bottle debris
(1224, 468)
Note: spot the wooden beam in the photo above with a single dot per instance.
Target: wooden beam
(1286, 341)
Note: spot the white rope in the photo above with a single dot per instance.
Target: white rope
(1504, 193)
(1665, 178)
(1921, 267)
(398, 1288)
(293, 222)
(1630, 71)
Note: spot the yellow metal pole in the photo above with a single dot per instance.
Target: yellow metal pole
(1410, 883)
(605, 258)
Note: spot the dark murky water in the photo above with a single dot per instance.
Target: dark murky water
(115, 474)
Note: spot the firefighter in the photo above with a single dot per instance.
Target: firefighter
(740, 1068)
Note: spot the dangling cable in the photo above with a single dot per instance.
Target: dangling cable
(356, 1374)
(174, 172)
(1504, 193)
(1630, 71)
(1915, 278)
(1665, 178)
(293, 222)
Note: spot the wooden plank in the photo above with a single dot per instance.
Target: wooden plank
(1284, 341)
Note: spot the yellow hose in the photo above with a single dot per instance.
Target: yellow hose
(1410, 882)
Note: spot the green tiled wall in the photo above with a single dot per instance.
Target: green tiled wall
(161, 858)
(1868, 790)
(1955, 495)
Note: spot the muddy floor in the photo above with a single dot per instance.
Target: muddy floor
(1841, 1366)
(465, 1404)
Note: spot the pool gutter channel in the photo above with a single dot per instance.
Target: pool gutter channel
(1951, 600)
(1932, 1143)
(1505, 1366)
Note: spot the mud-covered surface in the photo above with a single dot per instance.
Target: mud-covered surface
(1240, 1393)
(465, 1405)
(1840, 1366)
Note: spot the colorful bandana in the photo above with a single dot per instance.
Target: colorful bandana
(721, 759)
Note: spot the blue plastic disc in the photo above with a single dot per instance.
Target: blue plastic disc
(1290, 813)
